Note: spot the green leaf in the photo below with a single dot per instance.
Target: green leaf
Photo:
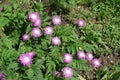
(13, 65)
(3, 21)
(30, 73)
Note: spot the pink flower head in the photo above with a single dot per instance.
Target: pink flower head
(0, 9)
(25, 59)
(25, 37)
(37, 23)
(96, 62)
(2, 76)
(48, 30)
(56, 73)
(89, 56)
(33, 16)
(67, 72)
(81, 55)
(56, 40)
(68, 58)
(32, 54)
(36, 32)
(56, 20)
(81, 23)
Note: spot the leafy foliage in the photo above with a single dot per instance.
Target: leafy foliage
(101, 39)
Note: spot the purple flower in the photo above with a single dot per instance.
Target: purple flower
(25, 59)
(32, 54)
(48, 30)
(96, 62)
(36, 32)
(37, 23)
(25, 37)
(81, 23)
(81, 55)
(68, 58)
(56, 20)
(67, 72)
(33, 16)
(56, 40)
(0, 9)
(89, 56)
(56, 73)
(2, 76)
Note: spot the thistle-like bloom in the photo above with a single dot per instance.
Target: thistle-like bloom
(37, 23)
(36, 32)
(32, 54)
(81, 55)
(0, 9)
(48, 30)
(89, 56)
(56, 40)
(67, 72)
(96, 63)
(25, 59)
(81, 23)
(56, 73)
(68, 58)
(2, 76)
(33, 16)
(25, 37)
(56, 20)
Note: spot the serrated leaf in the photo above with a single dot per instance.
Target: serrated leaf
(13, 66)
(30, 73)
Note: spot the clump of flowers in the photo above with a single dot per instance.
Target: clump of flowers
(81, 22)
(56, 20)
(68, 58)
(96, 62)
(2, 76)
(81, 55)
(89, 57)
(56, 40)
(48, 30)
(36, 32)
(25, 37)
(67, 72)
(35, 19)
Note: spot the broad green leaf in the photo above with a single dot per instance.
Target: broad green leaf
(3, 21)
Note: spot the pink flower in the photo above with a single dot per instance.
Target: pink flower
(81, 23)
(81, 55)
(37, 23)
(96, 62)
(1, 9)
(48, 30)
(68, 58)
(56, 20)
(89, 56)
(32, 54)
(25, 59)
(25, 37)
(67, 72)
(33, 16)
(36, 32)
(2, 76)
(56, 40)
(56, 73)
